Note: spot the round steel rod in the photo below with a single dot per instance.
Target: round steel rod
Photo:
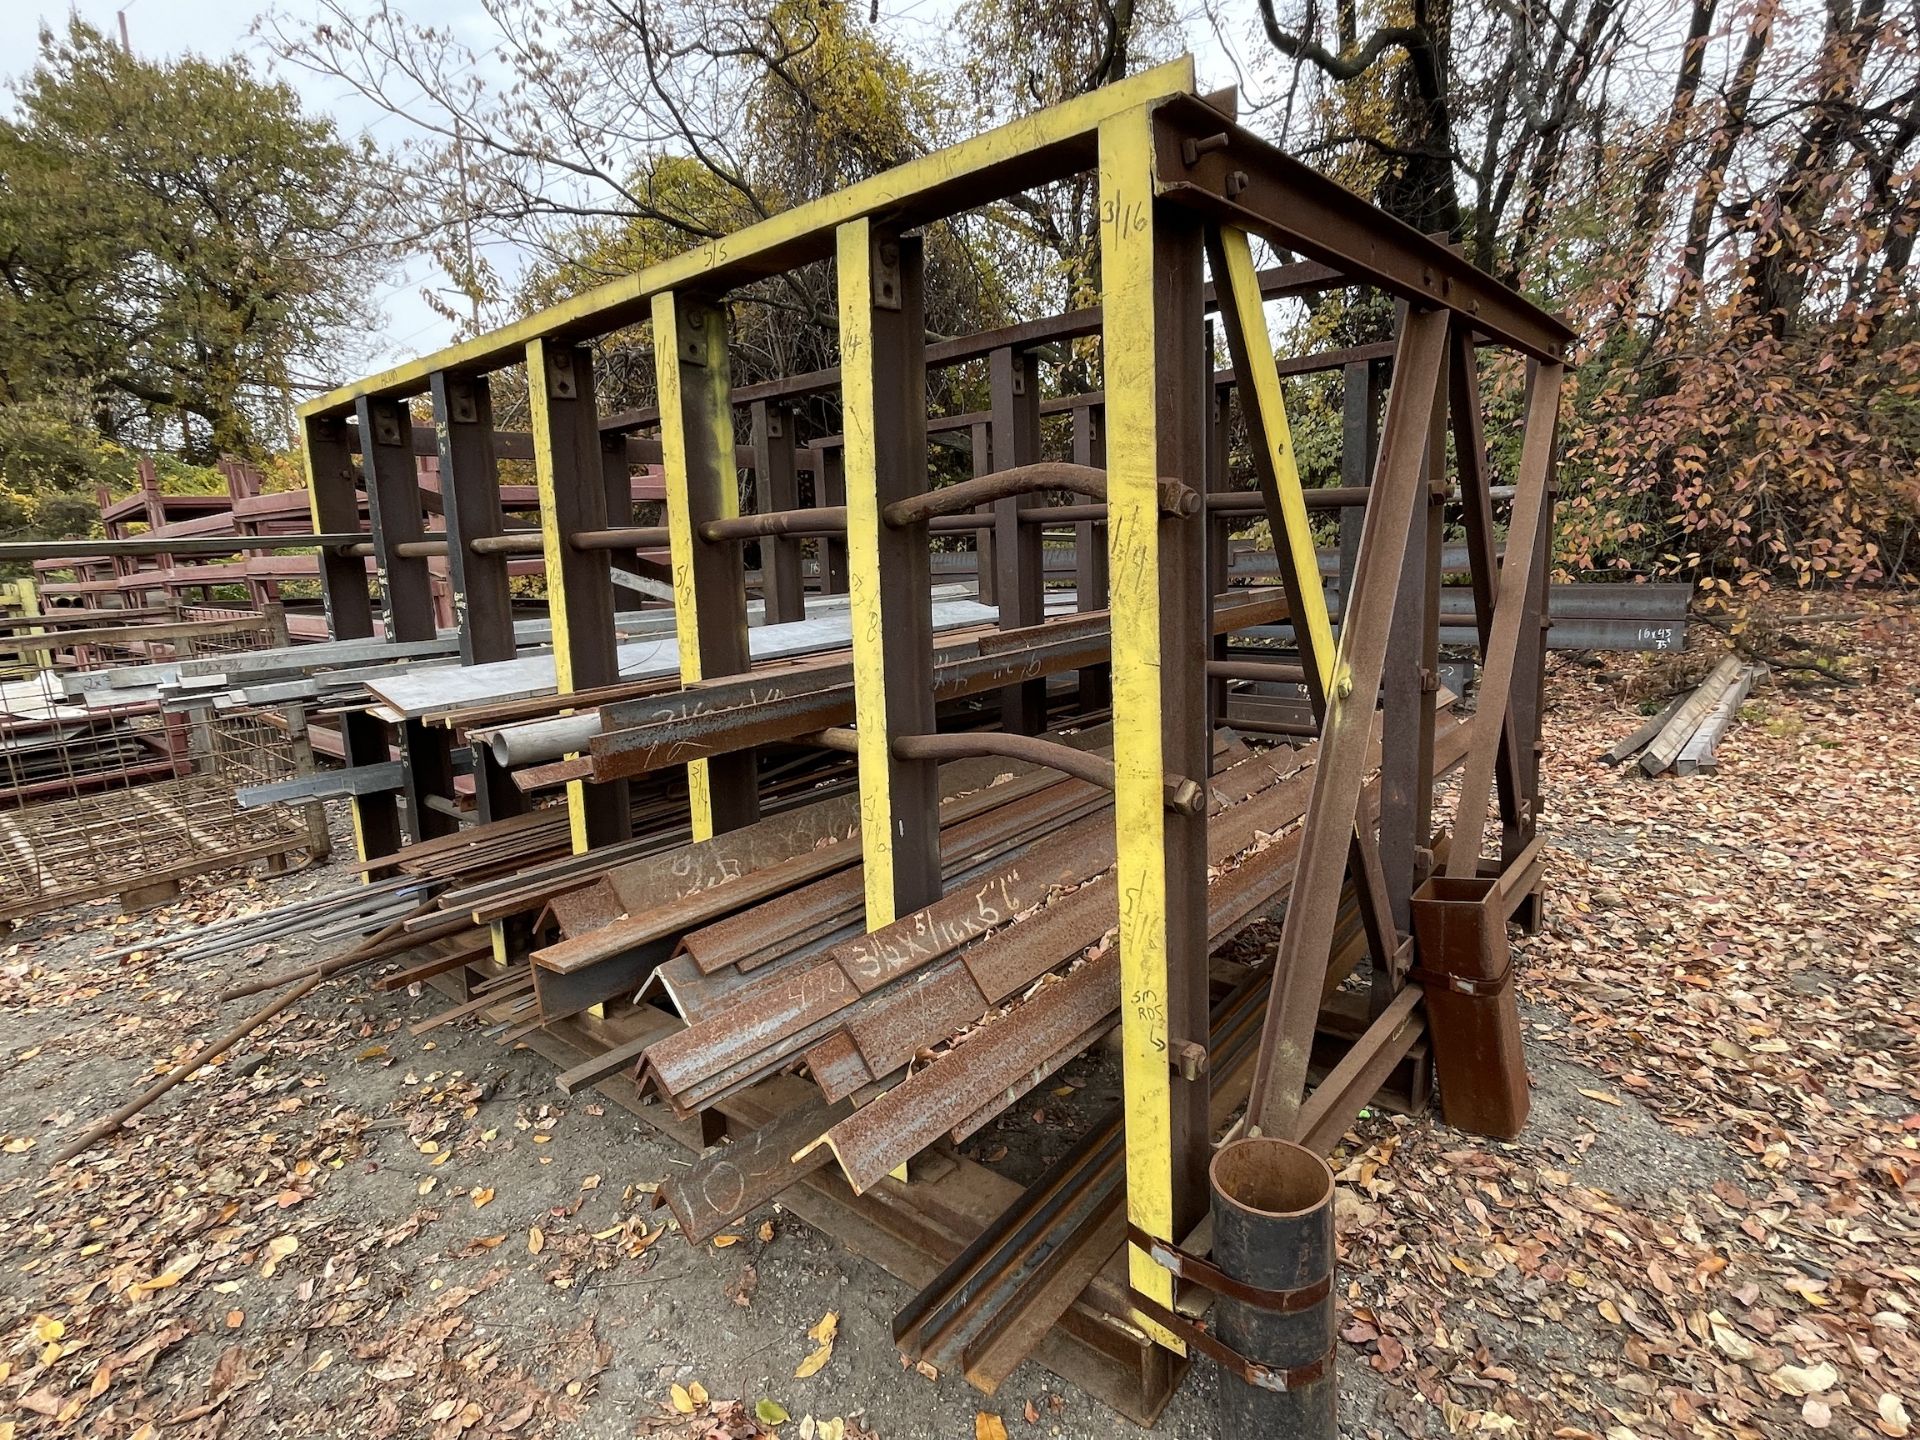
(1182, 794)
(519, 542)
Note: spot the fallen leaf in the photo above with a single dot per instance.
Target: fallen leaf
(536, 1240)
(1893, 1419)
(1806, 1380)
(482, 1196)
(278, 1249)
(1605, 1096)
(682, 1398)
(770, 1412)
(988, 1427)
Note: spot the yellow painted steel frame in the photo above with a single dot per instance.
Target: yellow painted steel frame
(683, 328)
(752, 251)
(1264, 381)
(553, 548)
(1133, 387)
(854, 257)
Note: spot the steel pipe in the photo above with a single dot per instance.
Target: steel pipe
(1272, 1207)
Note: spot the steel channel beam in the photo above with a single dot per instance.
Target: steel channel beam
(1150, 255)
(884, 385)
(1255, 185)
(1014, 384)
(1033, 150)
(776, 488)
(709, 582)
(1476, 503)
(1407, 687)
(567, 473)
(334, 499)
(1090, 552)
(1513, 605)
(482, 599)
(1328, 831)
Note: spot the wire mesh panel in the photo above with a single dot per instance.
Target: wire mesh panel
(108, 791)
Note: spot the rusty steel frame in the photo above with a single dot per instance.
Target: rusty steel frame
(1178, 178)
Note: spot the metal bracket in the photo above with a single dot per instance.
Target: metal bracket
(561, 382)
(886, 275)
(386, 423)
(462, 408)
(695, 340)
(1189, 1059)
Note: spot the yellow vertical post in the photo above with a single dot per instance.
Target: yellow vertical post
(884, 419)
(1140, 390)
(1260, 381)
(567, 477)
(867, 601)
(709, 598)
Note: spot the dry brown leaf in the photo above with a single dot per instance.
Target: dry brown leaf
(988, 1427)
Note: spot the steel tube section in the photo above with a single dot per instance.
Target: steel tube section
(1272, 1209)
(521, 542)
(1174, 497)
(629, 537)
(184, 545)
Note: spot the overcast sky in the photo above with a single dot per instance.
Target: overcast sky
(217, 28)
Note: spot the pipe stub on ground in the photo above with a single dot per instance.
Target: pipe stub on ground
(1272, 1204)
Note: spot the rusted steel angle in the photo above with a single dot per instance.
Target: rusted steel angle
(979, 826)
(876, 1138)
(1000, 1297)
(714, 718)
(741, 1174)
(745, 1026)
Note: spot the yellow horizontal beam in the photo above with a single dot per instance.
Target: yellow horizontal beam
(793, 237)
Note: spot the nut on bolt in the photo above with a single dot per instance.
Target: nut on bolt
(1189, 1057)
